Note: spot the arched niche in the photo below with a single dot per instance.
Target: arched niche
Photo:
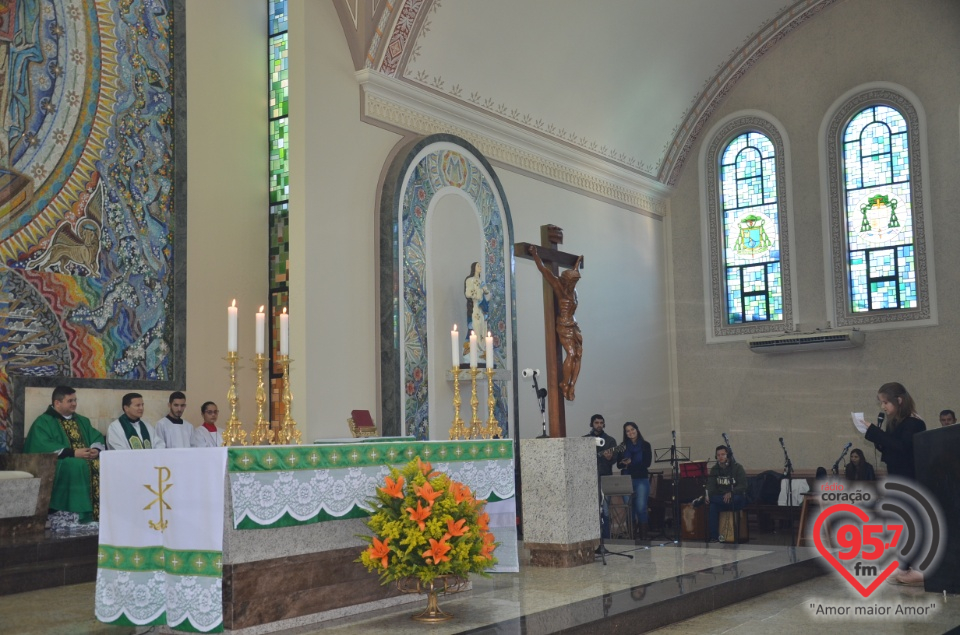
(441, 209)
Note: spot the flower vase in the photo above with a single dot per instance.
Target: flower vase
(433, 614)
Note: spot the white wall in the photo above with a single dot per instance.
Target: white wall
(226, 195)
(807, 398)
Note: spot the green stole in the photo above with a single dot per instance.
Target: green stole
(132, 437)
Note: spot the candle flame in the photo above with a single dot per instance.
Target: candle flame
(284, 309)
(454, 327)
(488, 333)
(261, 309)
(234, 303)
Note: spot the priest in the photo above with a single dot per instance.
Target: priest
(129, 431)
(76, 483)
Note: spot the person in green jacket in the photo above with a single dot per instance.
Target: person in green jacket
(76, 485)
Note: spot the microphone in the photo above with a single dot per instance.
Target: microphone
(847, 446)
(781, 442)
(600, 442)
(880, 418)
(530, 372)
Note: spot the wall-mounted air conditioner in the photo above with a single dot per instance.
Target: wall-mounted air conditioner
(827, 340)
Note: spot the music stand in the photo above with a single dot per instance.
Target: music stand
(674, 455)
(614, 485)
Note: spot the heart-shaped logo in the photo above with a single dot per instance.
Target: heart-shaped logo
(851, 537)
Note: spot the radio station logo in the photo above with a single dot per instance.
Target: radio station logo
(867, 533)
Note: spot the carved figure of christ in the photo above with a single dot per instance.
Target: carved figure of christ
(561, 331)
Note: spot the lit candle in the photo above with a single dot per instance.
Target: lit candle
(284, 332)
(489, 343)
(455, 346)
(261, 321)
(473, 350)
(232, 327)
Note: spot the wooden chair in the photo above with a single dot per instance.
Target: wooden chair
(361, 424)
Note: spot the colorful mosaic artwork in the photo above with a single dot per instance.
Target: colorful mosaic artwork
(876, 163)
(279, 246)
(748, 184)
(87, 231)
(436, 170)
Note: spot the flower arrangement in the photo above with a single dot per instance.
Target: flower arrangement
(426, 525)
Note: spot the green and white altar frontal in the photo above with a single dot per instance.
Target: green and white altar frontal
(161, 538)
(283, 486)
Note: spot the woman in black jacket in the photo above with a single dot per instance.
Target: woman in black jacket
(635, 461)
(858, 469)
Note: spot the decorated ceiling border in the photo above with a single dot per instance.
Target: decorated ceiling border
(411, 22)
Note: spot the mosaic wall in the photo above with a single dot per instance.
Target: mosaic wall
(87, 224)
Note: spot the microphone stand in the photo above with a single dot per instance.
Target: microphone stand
(541, 395)
(602, 549)
(733, 496)
(836, 466)
(788, 474)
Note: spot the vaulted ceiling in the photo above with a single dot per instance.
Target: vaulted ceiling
(628, 83)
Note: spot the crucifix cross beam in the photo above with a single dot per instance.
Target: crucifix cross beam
(561, 332)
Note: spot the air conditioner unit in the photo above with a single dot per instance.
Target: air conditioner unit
(801, 342)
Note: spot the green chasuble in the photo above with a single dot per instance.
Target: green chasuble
(76, 486)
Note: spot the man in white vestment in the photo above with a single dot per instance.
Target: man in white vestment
(130, 431)
(175, 431)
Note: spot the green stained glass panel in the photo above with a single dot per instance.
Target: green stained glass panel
(278, 76)
(279, 161)
(279, 246)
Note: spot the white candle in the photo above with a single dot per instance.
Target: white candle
(473, 350)
(261, 322)
(455, 346)
(284, 333)
(489, 343)
(232, 327)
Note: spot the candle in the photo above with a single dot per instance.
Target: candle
(473, 350)
(489, 343)
(232, 327)
(455, 346)
(261, 321)
(284, 332)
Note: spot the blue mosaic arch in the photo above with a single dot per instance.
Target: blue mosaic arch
(420, 173)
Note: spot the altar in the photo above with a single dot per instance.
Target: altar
(265, 536)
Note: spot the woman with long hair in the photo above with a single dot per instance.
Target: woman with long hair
(858, 469)
(635, 462)
(896, 448)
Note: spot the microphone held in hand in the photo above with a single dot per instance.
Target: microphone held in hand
(880, 418)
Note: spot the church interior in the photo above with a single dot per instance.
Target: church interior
(163, 160)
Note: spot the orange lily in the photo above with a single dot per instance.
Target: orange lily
(419, 514)
(392, 488)
(427, 493)
(482, 521)
(426, 468)
(488, 546)
(380, 550)
(460, 492)
(438, 551)
(457, 528)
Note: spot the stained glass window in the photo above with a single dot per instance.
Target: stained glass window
(878, 211)
(279, 187)
(751, 230)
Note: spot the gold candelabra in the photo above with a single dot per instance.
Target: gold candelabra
(234, 434)
(287, 433)
(493, 426)
(475, 422)
(457, 430)
(261, 430)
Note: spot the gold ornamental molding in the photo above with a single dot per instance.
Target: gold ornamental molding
(407, 108)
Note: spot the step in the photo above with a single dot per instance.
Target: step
(47, 574)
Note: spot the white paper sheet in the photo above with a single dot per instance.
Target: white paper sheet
(859, 422)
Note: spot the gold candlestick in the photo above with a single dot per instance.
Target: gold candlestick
(287, 433)
(261, 430)
(493, 426)
(456, 429)
(475, 422)
(234, 434)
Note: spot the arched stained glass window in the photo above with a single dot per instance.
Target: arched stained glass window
(751, 236)
(877, 222)
(747, 230)
(876, 174)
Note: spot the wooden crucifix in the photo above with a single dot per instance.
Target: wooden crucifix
(561, 332)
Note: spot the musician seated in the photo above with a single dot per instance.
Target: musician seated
(858, 469)
(726, 490)
(605, 460)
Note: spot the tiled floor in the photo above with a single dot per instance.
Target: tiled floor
(540, 600)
